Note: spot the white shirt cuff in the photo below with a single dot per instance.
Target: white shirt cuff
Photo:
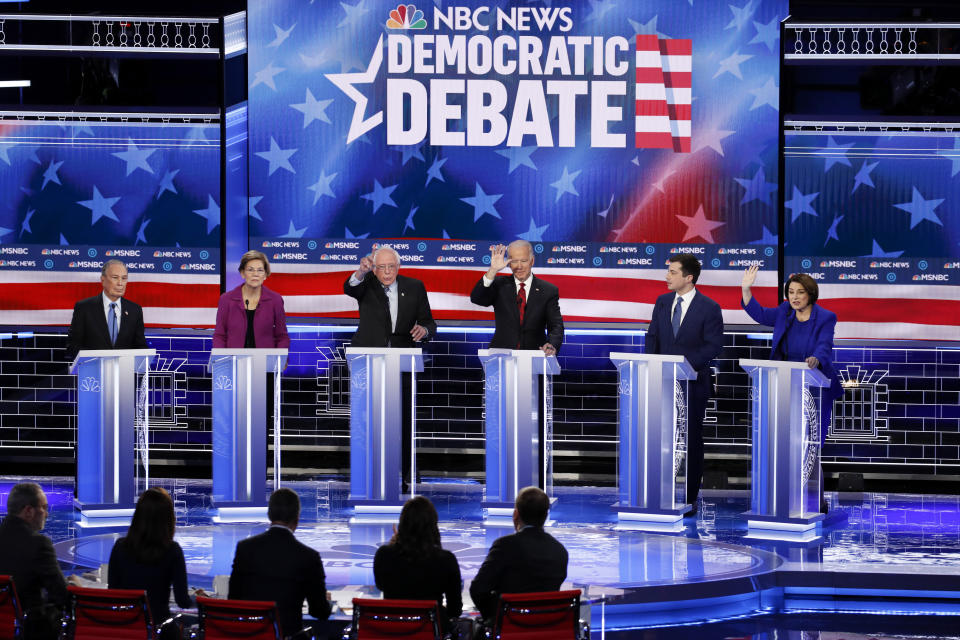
(487, 281)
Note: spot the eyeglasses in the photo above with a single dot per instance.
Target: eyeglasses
(253, 271)
(386, 268)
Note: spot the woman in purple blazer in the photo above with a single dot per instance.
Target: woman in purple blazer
(802, 332)
(251, 316)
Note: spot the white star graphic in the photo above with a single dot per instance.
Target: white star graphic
(313, 109)
(135, 158)
(732, 64)
(50, 175)
(322, 186)
(100, 207)
(345, 82)
(354, 13)
(710, 138)
(211, 213)
(565, 184)
(277, 157)
(769, 94)
(282, 34)
(266, 76)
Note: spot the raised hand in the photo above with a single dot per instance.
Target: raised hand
(366, 264)
(749, 277)
(498, 259)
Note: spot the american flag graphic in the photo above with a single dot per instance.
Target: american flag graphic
(664, 93)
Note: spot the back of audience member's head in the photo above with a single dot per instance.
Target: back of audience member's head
(28, 502)
(417, 531)
(284, 508)
(532, 506)
(151, 529)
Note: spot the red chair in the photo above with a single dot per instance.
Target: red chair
(375, 619)
(97, 614)
(545, 615)
(248, 619)
(11, 615)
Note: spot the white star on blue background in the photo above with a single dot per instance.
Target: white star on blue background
(349, 234)
(282, 34)
(482, 203)
(757, 188)
(293, 232)
(354, 13)
(767, 238)
(768, 33)
(740, 15)
(408, 223)
(832, 231)
(768, 94)
(313, 109)
(277, 157)
(141, 237)
(518, 156)
(50, 175)
(533, 233)
(434, 171)
(166, 183)
(135, 158)
(800, 204)
(266, 76)
(565, 184)
(878, 252)
(5, 151)
(863, 175)
(252, 202)
(380, 196)
(920, 209)
(211, 213)
(732, 64)
(835, 154)
(25, 226)
(953, 155)
(322, 186)
(100, 207)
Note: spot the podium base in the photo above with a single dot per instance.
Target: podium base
(497, 513)
(98, 515)
(239, 512)
(375, 512)
(791, 528)
(644, 519)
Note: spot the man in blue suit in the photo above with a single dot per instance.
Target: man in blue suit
(687, 323)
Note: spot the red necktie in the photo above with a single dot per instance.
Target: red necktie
(522, 300)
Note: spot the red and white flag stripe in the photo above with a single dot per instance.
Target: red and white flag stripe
(663, 93)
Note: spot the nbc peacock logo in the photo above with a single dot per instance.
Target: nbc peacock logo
(406, 16)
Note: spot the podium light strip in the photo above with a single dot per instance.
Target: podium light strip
(383, 425)
(516, 422)
(115, 364)
(645, 414)
(276, 425)
(146, 427)
(413, 425)
(248, 363)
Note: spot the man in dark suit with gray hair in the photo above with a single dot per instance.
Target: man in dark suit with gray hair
(107, 320)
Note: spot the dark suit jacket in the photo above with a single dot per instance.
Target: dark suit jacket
(820, 345)
(542, 322)
(89, 330)
(276, 567)
(125, 572)
(269, 321)
(524, 562)
(413, 307)
(399, 576)
(28, 556)
(699, 340)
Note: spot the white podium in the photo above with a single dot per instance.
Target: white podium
(376, 427)
(108, 409)
(515, 456)
(653, 438)
(785, 474)
(239, 429)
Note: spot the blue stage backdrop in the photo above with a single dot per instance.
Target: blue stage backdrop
(872, 216)
(79, 192)
(608, 134)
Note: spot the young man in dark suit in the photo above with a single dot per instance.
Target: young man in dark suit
(276, 567)
(687, 323)
(524, 562)
(28, 556)
(107, 320)
(394, 312)
(526, 309)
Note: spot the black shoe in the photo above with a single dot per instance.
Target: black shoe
(824, 507)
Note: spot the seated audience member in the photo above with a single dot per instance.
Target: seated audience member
(276, 567)
(28, 556)
(526, 561)
(413, 565)
(149, 558)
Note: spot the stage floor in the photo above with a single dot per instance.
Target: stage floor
(877, 552)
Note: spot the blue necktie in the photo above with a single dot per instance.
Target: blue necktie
(112, 317)
(677, 314)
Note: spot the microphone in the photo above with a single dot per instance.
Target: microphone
(246, 303)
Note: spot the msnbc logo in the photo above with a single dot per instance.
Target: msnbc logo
(406, 16)
(266, 243)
